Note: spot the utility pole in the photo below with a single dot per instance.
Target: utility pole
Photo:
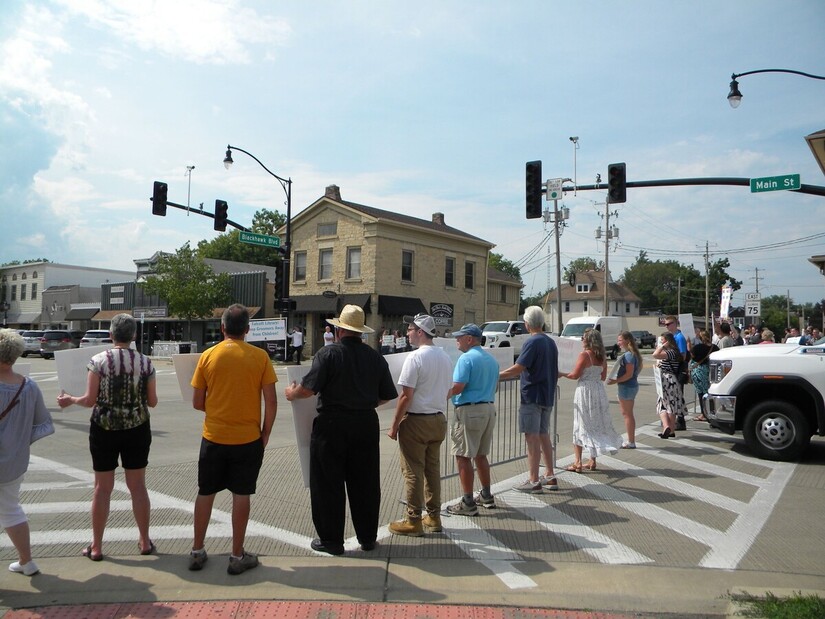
(610, 233)
(707, 289)
(189, 169)
(557, 217)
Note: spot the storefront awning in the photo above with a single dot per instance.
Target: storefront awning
(361, 300)
(82, 313)
(25, 318)
(399, 306)
(311, 303)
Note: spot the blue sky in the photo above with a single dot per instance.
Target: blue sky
(418, 108)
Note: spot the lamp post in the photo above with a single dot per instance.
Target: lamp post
(735, 97)
(4, 307)
(286, 185)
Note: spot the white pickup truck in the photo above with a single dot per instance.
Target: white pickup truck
(773, 393)
(504, 334)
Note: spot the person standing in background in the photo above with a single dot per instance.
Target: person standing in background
(627, 379)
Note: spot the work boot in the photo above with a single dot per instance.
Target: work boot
(407, 526)
(431, 524)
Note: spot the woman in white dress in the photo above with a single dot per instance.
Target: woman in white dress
(592, 427)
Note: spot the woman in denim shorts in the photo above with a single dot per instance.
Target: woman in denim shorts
(629, 367)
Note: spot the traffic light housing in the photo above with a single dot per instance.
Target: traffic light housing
(221, 210)
(159, 199)
(533, 178)
(616, 183)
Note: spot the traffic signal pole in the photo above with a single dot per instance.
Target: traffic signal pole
(814, 190)
(229, 222)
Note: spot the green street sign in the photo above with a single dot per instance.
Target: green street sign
(260, 239)
(775, 183)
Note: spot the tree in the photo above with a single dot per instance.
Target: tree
(579, 265)
(228, 246)
(668, 286)
(189, 286)
(500, 263)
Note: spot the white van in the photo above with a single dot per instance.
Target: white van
(609, 326)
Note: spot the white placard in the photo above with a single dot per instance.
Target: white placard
(687, 327)
(303, 414)
(266, 330)
(569, 351)
(71, 367)
(657, 378)
(185, 365)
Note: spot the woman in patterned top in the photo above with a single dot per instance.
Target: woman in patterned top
(672, 402)
(120, 390)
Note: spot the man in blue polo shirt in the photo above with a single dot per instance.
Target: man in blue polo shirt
(475, 379)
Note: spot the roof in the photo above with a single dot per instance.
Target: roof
(408, 220)
(500, 276)
(618, 291)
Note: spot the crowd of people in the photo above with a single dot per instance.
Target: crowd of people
(351, 379)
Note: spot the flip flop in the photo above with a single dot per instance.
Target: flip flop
(149, 551)
(87, 552)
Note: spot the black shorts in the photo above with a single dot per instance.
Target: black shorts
(132, 446)
(229, 467)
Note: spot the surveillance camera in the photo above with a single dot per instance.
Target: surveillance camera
(574, 139)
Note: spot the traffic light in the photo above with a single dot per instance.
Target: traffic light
(221, 209)
(533, 177)
(159, 199)
(616, 183)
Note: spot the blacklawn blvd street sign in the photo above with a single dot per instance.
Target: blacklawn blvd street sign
(260, 239)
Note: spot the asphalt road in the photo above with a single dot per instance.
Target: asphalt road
(668, 527)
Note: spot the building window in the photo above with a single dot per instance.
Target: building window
(34, 292)
(328, 229)
(617, 306)
(300, 266)
(14, 277)
(354, 263)
(469, 275)
(407, 265)
(582, 287)
(34, 275)
(22, 292)
(14, 292)
(585, 306)
(627, 308)
(23, 276)
(567, 306)
(325, 264)
(503, 294)
(449, 272)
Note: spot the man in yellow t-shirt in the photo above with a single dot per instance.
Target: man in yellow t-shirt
(228, 383)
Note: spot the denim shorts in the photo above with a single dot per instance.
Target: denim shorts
(628, 392)
(534, 419)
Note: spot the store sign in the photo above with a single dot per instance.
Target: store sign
(442, 314)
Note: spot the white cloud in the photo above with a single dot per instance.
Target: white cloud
(202, 31)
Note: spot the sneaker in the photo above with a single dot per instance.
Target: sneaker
(551, 483)
(628, 445)
(239, 566)
(530, 487)
(486, 503)
(27, 569)
(196, 559)
(411, 528)
(462, 509)
(431, 524)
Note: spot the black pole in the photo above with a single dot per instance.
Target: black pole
(814, 190)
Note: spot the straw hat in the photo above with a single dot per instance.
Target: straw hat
(351, 319)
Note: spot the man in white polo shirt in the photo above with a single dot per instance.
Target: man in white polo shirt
(421, 427)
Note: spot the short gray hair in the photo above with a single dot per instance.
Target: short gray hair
(11, 346)
(534, 317)
(123, 328)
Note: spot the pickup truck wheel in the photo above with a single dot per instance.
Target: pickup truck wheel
(776, 430)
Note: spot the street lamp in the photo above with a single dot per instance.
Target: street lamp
(735, 97)
(4, 307)
(286, 184)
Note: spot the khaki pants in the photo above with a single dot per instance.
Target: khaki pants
(419, 441)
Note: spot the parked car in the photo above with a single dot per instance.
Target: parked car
(95, 337)
(58, 339)
(32, 341)
(644, 339)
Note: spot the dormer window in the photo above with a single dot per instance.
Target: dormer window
(582, 288)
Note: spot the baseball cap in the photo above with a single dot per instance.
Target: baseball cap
(424, 322)
(468, 329)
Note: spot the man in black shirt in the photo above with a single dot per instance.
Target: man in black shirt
(351, 380)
